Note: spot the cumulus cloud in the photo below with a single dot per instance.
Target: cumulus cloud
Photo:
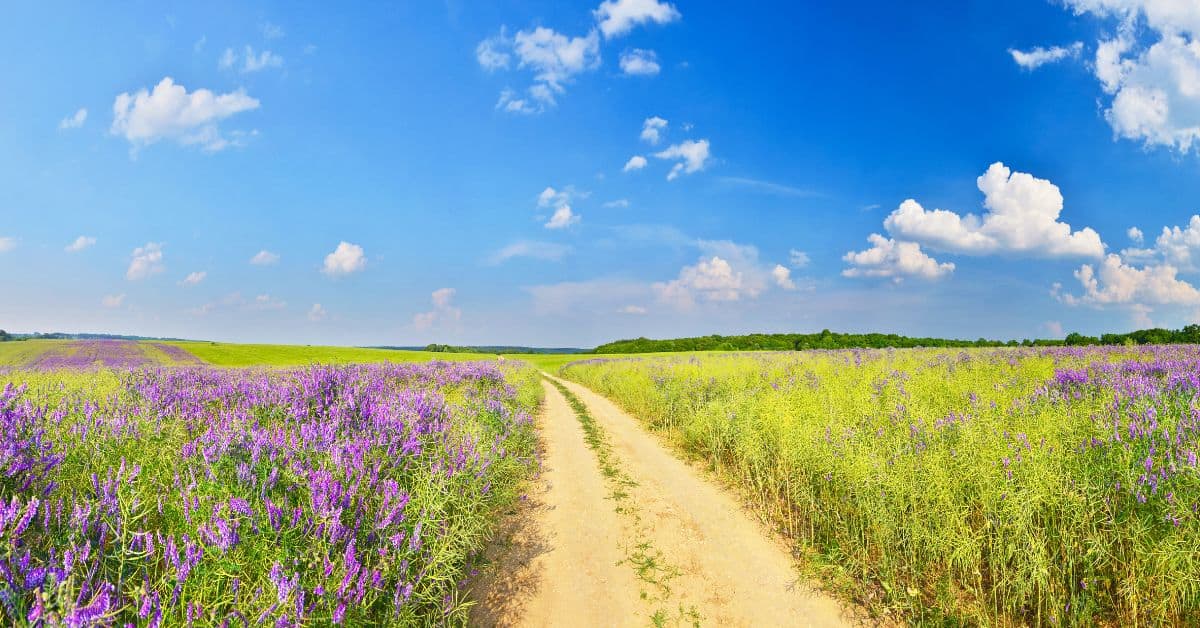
(347, 258)
(692, 156)
(193, 278)
(146, 261)
(555, 59)
(443, 310)
(1176, 246)
(547, 251)
(73, 121)
(726, 271)
(652, 128)
(1037, 57)
(637, 162)
(264, 258)
(618, 17)
(1022, 217)
(798, 259)
(113, 301)
(782, 275)
(559, 201)
(1153, 82)
(317, 313)
(638, 62)
(895, 260)
(169, 112)
(1116, 282)
(1135, 235)
(80, 243)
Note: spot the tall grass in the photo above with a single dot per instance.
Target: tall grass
(1048, 487)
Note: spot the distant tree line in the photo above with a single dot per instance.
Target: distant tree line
(1157, 336)
(832, 340)
(494, 349)
(5, 336)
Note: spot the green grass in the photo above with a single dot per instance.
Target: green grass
(231, 354)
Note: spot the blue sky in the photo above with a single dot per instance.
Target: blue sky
(557, 173)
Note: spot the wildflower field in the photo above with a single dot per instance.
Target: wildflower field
(1000, 486)
(189, 495)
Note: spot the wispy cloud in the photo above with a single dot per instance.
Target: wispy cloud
(769, 187)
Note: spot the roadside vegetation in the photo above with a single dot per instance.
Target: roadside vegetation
(1051, 486)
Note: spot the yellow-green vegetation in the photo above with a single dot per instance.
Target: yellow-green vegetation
(14, 354)
(995, 487)
(231, 354)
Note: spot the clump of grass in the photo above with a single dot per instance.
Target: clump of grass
(1034, 486)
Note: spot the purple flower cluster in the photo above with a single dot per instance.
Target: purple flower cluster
(325, 495)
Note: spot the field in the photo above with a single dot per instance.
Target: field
(174, 483)
(1021, 486)
(189, 495)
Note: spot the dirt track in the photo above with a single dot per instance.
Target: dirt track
(570, 558)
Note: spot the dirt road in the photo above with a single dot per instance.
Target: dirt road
(668, 547)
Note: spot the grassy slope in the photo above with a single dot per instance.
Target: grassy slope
(229, 354)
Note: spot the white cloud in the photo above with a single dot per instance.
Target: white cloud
(1155, 88)
(559, 200)
(266, 302)
(798, 259)
(618, 17)
(1135, 235)
(1054, 328)
(1116, 282)
(170, 112)
(637, 162)
(264, 258)
(638, 62)
(618, 203)
(768, 187)
(73, 121)
(7, 244)
(783, 277)
(443, 310)
(548, 251)
(693, 155)
(652, 128)
(251, 61)
(1035, 58)
(894, 259)
(113, 301)
(317, 313)
(193, 278)
(1176, 246)
(726, 271)
(562, 218)
(146, 261)
(80, 243)
(493, 52)
(1022, 217)
(345, 259)
(632, 309)
(555, 59)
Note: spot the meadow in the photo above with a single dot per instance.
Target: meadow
(1043, 486)
(193, 495)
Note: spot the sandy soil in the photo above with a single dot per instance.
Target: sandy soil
(563, 559)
